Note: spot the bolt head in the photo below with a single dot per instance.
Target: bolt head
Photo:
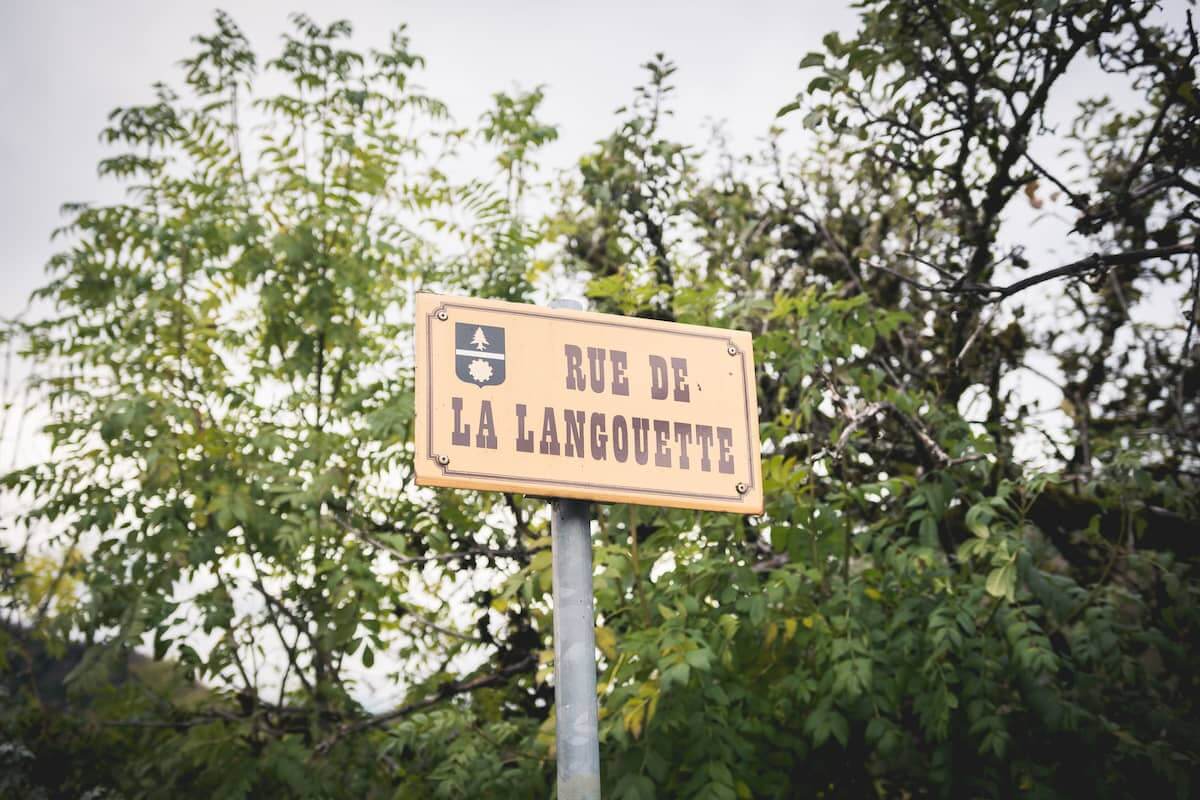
(443, 460)
(742, 488)
(442, 315)
(733, 351)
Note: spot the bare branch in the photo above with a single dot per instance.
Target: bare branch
(936, 453)
(520, 554)
(1093, 263)
(428, 623)
(445, 692)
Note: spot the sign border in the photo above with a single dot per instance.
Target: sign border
(576, 489)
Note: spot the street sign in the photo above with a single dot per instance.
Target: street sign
(564, 403)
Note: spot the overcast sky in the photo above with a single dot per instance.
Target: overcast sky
(65, 65)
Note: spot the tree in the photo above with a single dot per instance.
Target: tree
(479, 340)
(918, 611)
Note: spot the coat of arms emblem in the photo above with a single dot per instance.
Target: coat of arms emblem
(479, 354)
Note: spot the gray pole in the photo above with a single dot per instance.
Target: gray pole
(576, 733)
(574, 652)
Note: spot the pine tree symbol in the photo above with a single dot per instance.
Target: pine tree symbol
(479, 340)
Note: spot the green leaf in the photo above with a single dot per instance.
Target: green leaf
(1002, 581)
(787, 109)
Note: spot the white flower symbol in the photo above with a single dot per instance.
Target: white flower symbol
(480, 370)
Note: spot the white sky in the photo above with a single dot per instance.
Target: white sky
(65, 65)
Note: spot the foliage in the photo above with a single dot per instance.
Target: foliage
(925, 607)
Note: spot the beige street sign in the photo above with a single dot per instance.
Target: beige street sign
(563, 403)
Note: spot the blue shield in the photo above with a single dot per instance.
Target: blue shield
(479, 354)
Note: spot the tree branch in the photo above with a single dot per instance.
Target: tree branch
(445, 692)
(520, 554)
(936, 453)
(1093, 263)
(430, 624)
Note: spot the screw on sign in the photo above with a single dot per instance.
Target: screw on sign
(577, 407)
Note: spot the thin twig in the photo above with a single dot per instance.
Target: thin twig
(445, 692)
(983, 323)
(934, 450)
(428, 623)
(516, 553)
(1093, 263)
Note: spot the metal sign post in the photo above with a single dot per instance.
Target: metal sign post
(576, 731)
